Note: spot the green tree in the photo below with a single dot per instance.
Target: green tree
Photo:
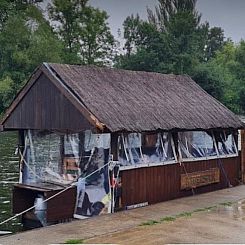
(65, 14)
(166, 9)
(228, 61)
(173, 40)
(84, 30)
(6, 92)
(215, 41)
(210, 79)
(143, 60)
(173, 37)
(5, 8)
(26, 40)
(97, 44)
(239, 61)
(186, 41)
(237, 68)
(241, 95)
(131, 33)
(32, 43)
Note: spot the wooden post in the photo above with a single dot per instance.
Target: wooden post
(62, 154)
(243, 154)
(21, 139)
(114, 146)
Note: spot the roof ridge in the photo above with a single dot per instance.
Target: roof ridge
(116, 69)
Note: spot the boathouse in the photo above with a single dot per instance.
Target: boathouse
(137, 137)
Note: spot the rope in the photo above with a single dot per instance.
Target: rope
(55, 195)
(22, 159)
(17, 215)
(186, 173)
(220, 164)
(182, 163)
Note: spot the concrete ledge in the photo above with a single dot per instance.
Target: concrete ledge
(122, 221)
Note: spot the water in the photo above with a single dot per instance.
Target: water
(9, 175)
(236, 210)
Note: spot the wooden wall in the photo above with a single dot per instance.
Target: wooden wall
(161, 183)
(58, 208)
(243, 155)
(45, 107)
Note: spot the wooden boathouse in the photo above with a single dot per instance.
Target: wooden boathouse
(166, 135)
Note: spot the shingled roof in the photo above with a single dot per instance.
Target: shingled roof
(144, 101)
(125, 100)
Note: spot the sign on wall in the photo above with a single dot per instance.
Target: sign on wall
(200, 178)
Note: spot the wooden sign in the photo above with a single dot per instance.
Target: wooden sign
(201, 178)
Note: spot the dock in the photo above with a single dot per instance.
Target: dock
(123, 221)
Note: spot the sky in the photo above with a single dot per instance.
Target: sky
(227, 14)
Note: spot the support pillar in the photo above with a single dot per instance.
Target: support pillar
(243, 155)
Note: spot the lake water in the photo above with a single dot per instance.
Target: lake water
(9, 175)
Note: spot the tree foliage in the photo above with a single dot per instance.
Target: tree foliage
(178, 48)
(27, 39)
(166, 9)
(215, 41)
(173, 40)
(84, 30)
(31, 43)
(6, 92)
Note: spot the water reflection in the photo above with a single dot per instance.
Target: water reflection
(233, 210)
(238, 210)
(8, 176)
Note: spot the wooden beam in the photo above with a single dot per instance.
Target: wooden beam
(21, 138)
(114, 146)
(243, 154)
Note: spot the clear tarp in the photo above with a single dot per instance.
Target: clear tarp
(93, 188)
(137, 148)
(62, 159)
(84, 158)
(226, 144)
(42, 157)
(196, 144)
(199, 144)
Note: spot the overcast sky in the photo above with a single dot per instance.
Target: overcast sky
(228, 14)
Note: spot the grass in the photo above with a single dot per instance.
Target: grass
(204, 209)
(74, 241)
(184, 214)
(149, 222)
(226, 204)
(168, 219)
(200, 210)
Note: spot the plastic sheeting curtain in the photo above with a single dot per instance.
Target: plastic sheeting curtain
(137, 148)
(226, 144)
(42, 157)
(198, 144)
(57, 158)
(93, 192)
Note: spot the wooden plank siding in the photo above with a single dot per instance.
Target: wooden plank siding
(161, 183)
(56, 211)
(58, 208)
(243, 155)
(45, 107)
